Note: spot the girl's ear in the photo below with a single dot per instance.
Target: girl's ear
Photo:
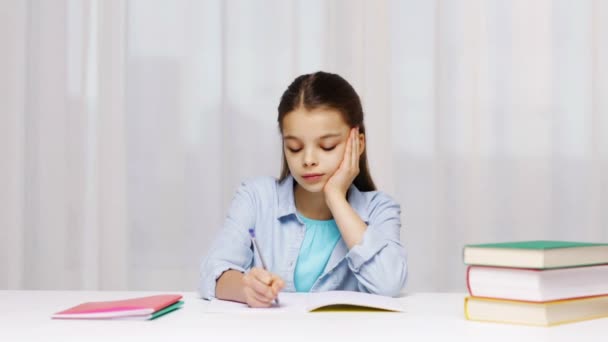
(361, 143)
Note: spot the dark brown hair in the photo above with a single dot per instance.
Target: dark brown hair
(325, 90)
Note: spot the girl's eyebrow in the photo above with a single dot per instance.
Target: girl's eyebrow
(326, 136)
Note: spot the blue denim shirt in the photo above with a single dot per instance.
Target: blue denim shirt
(378, 264)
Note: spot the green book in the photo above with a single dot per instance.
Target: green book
(166, 310)
(539, 254)
(155, 314)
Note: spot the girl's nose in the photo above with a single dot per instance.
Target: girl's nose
(309, 159)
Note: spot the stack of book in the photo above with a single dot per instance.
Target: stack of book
(536, 282)
(141, 308)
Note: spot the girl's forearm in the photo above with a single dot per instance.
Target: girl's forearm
(229, 286)
(350, 224)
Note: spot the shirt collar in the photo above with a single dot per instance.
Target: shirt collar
(287, 205)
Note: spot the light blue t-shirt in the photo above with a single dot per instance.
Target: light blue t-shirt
(319, 241)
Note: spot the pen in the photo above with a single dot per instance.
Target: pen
(259, 253)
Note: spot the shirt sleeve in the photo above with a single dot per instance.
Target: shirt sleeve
(231, 249)
(379, 261)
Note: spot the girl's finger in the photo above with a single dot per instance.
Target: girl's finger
(255, 300)
(259, 280)
(261, 274)
(358, 155)
(262, 299)
(277, 284)
(355, 152)
(262, 290)
(348, 150)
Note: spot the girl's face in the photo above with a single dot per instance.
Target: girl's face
(314, 143)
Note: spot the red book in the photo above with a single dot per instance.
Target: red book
(144, 307)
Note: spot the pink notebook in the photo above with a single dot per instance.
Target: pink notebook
(142, 306)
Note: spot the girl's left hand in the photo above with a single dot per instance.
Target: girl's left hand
(340, 181)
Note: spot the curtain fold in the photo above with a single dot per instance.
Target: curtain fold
(126, 126)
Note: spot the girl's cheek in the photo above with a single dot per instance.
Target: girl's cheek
(336, 159)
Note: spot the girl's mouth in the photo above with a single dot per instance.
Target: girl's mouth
(312, 177)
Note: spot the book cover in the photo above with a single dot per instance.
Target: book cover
(140, 306)
(540, 254)
(538, 314)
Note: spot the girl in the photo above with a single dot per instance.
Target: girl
(321, 226)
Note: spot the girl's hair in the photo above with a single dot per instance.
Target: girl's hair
(325, 90)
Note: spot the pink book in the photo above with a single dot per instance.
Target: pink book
(142, 306)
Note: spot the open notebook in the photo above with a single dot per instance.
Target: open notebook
(315, 301)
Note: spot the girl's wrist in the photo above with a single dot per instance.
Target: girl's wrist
(334, 197)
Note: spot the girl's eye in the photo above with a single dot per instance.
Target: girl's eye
(328, 148)
(294, 150)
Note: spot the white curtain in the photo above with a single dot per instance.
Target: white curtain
(126, 126)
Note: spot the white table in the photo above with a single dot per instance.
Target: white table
(25, 317)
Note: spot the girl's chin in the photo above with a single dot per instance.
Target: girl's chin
(314, 188)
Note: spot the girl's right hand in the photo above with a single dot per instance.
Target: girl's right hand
(261, 287)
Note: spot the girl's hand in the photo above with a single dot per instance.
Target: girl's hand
(261, 287)
(340, 181)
